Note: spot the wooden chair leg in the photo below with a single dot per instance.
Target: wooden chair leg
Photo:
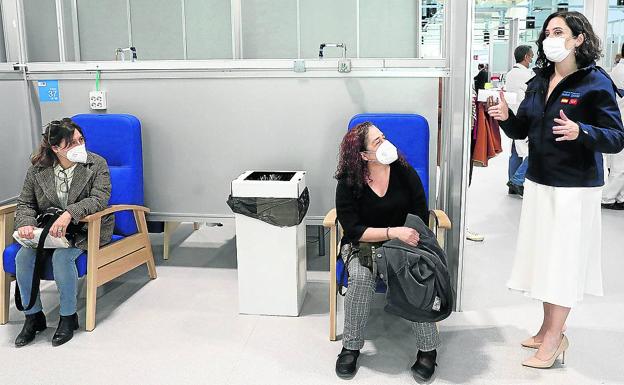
(91, 300)
(142, 226)
(170, 228)
(151, 266)
(7, 222)
(332, 284)
(5, 290)
(332, 309)
(93, 242)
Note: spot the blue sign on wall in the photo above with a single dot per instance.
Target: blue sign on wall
(49, 91)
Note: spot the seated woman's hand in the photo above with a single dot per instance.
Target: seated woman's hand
(405, 234)
(59, 227)
(26, 232)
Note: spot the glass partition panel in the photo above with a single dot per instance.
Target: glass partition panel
(41, 30)
(328, 21)
(97, 16)
(157, 29)
(269, 29)
(208, 29)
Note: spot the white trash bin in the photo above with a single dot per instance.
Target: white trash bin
(271, 259)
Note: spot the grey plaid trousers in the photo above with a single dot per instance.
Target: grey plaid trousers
(357, 308)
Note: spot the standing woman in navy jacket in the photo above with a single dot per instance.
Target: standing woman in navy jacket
(571, 117)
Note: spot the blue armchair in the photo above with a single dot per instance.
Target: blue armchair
(410, 134)
(117, 138)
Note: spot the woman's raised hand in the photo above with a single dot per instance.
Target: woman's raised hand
(499, 111)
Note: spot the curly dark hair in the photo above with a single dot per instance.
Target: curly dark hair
(55, 133)
(351, 166)
(587, 53)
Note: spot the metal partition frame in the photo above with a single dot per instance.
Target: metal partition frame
(455, 150)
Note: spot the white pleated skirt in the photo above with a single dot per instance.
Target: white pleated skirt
(559, 250)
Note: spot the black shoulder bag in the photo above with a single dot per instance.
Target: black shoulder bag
(363, 251)
(45, 221)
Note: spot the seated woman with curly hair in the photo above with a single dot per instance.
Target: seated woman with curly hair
(376, 191)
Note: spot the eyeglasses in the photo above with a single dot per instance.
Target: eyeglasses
(64, 178)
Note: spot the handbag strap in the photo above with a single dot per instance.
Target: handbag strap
(40, 259)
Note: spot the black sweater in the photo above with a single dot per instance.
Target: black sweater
(405, 195)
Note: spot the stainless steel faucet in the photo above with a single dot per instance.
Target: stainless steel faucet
(344, 64)
(121, 52)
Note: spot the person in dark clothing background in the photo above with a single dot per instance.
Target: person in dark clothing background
(376, 190)
(481, 78)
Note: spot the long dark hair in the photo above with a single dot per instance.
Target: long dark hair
(54, 134)
(586, 53)
(351, 167)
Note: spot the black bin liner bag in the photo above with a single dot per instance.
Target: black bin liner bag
(282, 212)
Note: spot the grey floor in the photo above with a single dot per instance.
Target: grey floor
(184, 327)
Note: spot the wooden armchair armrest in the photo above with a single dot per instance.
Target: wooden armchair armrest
(8, 209)
(441, 219)
(330, 219)
(113, 209)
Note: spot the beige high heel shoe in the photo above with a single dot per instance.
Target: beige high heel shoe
(535, 362)
(531, 344)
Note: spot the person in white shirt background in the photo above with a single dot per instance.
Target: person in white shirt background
(613, 192)
(516, 80)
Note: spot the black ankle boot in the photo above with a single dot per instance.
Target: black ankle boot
(34, 323)
(65, 330)
(346, 364)
(425, 364)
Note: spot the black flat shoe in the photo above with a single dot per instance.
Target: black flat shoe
(425, 364)
(346, 364)
(613, 206)
(65, 330)
(34, 323)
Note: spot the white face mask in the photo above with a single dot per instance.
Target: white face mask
(555, 50)
(386, 153)
(77, 154)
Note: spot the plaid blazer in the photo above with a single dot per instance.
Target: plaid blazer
(89, 193)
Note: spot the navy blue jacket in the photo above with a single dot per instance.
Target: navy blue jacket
(587, 97)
